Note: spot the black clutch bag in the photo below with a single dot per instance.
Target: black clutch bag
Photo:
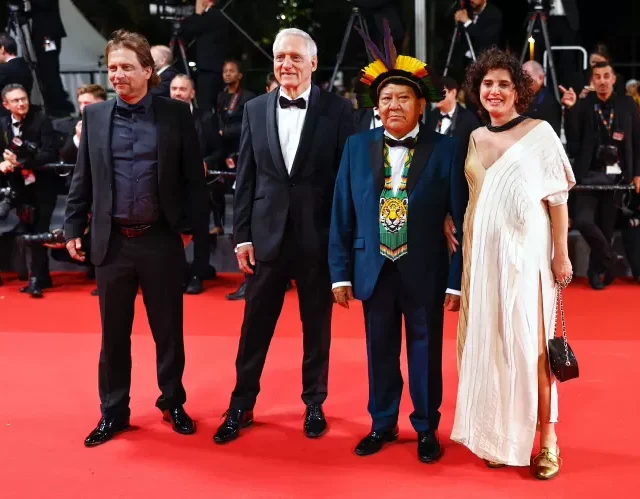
(564, 364)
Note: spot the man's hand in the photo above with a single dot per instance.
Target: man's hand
(636, 183)
(206, 169)
(342, 295)
(230, 163)
(79, 129)
(452, 302)
(6, 167)
(569, 97)
(450, 234)
(10, 157)
(461, 16)
(74, 247)
(246, 258)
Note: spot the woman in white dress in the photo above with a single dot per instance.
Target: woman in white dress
(515, 250)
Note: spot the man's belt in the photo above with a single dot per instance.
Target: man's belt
(128, 228)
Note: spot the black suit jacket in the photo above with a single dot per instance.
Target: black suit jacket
(487, 30)
(267, 197)
(582, 132)
(464, 122)
(181, 185)
(46, 21)
(362, 119)
(231, 123)
(16, 71)
(211, 32)
(544, 106)
(163, 89)
(37, 129)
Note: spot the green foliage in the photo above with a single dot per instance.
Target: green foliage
(297, 14)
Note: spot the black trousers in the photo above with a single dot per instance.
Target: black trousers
(56, 99)
(263, 303)
(596, 213)
(153, 263)
(208, 86)
(43, 196)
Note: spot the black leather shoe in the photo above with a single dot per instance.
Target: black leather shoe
(239, 293)
(595, 282)
(229, 430)
(429, 450)
(194, 287)
(289, 286)
(315, 424)
(375, 440)
(94, 292)
(107, 428)
(180, 420)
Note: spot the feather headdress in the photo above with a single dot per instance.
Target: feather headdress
(397, 68)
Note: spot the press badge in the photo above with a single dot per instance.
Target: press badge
(619, 136)
(614, 169)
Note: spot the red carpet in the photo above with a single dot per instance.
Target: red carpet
(49, 403)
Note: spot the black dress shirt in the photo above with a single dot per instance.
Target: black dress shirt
(134, 148)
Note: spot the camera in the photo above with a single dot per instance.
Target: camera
(173, 10)
(23, 149)
(44, 238)
(7, 198)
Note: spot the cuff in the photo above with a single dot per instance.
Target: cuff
(341, 283)
(239, 245)
(453, 292)
(76, 141)
(468, 23)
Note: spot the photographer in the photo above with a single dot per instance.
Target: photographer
(28, 141)
(603, 135)
(210, 30)
(483, 22)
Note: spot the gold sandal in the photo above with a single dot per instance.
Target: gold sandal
(547, 464)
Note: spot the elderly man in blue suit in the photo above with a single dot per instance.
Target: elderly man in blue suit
(387, 247)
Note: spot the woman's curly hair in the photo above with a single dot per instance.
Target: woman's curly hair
(495, 58)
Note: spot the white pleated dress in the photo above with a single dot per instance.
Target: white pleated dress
(507, 250)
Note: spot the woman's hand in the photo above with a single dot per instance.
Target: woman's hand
(562, 270)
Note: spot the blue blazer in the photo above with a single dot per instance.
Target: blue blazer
(436, 186)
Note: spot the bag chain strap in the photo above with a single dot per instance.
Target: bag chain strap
(560, 305)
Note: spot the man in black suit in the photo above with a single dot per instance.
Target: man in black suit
(210, 30)
(544, 105)
(47, 32)
(13, 69)
(450, 118)
(483, 22)
(564, 24)
(603, 135)
(290, 149)
(163, 59)
(366, 119)
(28, 141)
(139, 174)
(212, 153)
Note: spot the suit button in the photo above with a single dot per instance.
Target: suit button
(292, 184)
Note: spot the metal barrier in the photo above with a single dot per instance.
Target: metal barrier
(576, 48)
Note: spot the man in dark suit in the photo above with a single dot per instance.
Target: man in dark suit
(564, 25)
(139, 174)
(163, 59)
(47, 32)
(544, 105)
(483, 22)
(395, 186)
(28, 141)
(603, 135)
(366, 119)
(212, 153)
(450, 118)
(210, 30)
(292, 140)
(13, 69)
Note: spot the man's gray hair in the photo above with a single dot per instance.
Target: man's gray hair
(312, 48)
(535, 67)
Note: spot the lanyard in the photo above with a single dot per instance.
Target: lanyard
(604, 122)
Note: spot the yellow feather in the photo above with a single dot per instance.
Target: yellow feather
(375, 69)
(409, 64)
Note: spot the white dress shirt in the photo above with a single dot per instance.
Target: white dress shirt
(290, 122)
(397, 157)
(17, 132)
(375, 121)
(445, 123)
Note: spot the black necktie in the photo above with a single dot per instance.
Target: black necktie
(127, 112)
(285, 103)
(409, 142)
(444, 116)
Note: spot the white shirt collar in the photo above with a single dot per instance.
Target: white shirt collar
(160, 71)
(304, 95)
(413, 133)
